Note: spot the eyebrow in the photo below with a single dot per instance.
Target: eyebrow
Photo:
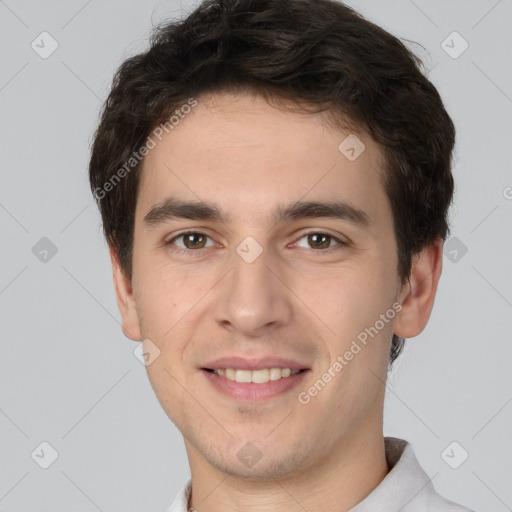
(172, 208)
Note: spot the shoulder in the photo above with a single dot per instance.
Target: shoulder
(408, 483)
(436, 503)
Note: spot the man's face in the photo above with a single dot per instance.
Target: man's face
(297, 288)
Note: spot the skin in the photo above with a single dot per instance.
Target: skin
(295, 301)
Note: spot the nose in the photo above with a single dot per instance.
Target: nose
(253, 299)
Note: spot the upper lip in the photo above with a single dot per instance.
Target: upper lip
(242, 363)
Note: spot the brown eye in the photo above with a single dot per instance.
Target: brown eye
(190, 240)
(319, 240)
(194, 240)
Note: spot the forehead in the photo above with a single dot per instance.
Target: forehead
(240, 152)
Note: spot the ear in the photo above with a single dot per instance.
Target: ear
(125, 299)
(417, 295)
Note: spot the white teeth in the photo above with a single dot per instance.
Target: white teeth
(243, 375)
(257, 376)
(275, 373)
(260, 376)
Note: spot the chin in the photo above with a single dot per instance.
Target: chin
(250, 463)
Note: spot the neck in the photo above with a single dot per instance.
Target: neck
(337, 482)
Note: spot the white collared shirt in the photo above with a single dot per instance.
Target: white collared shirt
(406, 488)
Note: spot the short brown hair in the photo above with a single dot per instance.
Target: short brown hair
(320, 54)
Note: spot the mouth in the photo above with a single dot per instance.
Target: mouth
(259, 376)
(256, 384)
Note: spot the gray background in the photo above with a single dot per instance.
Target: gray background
(67, 374)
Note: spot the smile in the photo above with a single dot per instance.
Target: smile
(260, 376)
(254, 385)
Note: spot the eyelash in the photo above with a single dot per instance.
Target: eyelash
(189, 251)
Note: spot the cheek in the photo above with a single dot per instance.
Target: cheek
(164, 295)
(349, 299)
(171, 301)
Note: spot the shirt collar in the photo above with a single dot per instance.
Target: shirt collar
(405, 484)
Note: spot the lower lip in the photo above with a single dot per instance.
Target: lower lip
(252, 391)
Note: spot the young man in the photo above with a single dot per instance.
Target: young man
(274, 179)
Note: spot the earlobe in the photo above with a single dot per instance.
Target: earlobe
(125, 299)
(418, 294)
